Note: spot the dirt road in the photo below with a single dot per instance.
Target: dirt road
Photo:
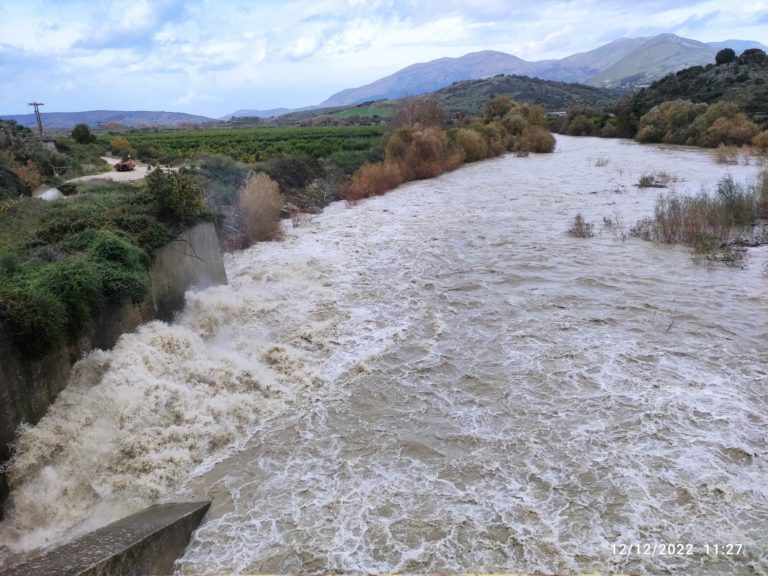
(137, 173)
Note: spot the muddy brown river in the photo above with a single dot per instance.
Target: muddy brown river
(441, 379)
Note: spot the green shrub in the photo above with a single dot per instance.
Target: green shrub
(223, 170)
(761, 193)
(514, 122)
(498, 108)
(82, 134)
(349, 161)
(146, 230)
(295, 172)
(683, 122)
(109, 247)
(581, 125)
(11, 185)
(177, 195)
(35, 319)
(471, 144)
(738, 204)
(76, 285)
(60, 261)
(725, 56)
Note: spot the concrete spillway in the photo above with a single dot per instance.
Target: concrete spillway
(145, 543)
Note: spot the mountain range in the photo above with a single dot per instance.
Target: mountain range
(623, 63)
(128, 119)
(626, 62)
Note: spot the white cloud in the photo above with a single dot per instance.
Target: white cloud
(208, 53)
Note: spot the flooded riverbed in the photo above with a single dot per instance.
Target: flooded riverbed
(441, 379)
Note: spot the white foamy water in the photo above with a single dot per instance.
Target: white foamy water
(440, 379)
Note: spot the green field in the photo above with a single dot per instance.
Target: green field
(257, 144)
(366, 112)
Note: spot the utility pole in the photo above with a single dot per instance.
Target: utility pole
(37, 116)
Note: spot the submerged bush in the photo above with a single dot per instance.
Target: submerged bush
(706, 222)
(537, 139)
(580, 228)
(658, 179)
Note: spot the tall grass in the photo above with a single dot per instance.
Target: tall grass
(260, 204)
(710, 224)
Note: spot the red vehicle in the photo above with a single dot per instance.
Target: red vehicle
(125, 166)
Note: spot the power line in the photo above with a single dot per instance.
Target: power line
(37, 116)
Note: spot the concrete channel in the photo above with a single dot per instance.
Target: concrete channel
(146, 543)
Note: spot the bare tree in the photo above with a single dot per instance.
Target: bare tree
(415, 111)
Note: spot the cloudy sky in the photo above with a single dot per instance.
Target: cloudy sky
(213, 57)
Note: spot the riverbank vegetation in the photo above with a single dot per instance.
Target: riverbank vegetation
(708, 126)
(721, 104)
(61, 262)
(717, 226)
(419, 146)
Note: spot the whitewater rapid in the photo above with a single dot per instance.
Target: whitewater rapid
(440, 379)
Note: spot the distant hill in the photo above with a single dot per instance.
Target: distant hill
(585, 65)
(626, 62)
(653, 59)
(271, 113)
(94, 118)
(744, 81)
(430, 76)
(472, 96)
(738, 46)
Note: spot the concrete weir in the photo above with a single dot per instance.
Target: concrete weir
(146, 543)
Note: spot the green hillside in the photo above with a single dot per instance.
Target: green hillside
(471, 96)
(743, 81)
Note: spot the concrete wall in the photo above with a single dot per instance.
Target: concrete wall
(193, 259)
(145, 543)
